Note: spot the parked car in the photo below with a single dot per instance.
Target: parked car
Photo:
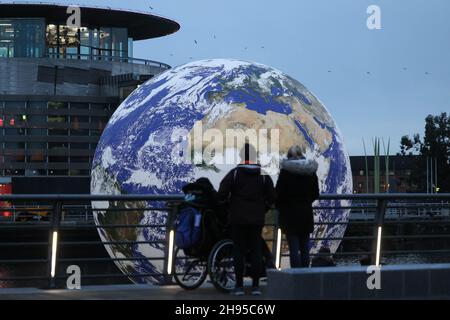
(32, 214)
(6, 212)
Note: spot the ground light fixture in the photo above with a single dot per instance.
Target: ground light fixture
(278, 253)
(377, 261)
(54, 252)
(171, 247)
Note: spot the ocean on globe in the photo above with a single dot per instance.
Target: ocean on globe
(138, 154)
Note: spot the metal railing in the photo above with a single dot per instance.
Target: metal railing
(107, 58)
(38, 213)
(372, 239)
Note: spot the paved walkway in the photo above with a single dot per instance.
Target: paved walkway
(123, 292)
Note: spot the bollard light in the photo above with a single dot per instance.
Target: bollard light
(54, 251)
(171, 245)
(278, 253)
(378, 246)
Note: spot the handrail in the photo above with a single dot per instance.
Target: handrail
(84, 197)
(76, 56)
(379, 206)
(174, 197)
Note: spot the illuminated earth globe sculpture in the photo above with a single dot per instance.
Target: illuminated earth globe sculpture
(137, 153)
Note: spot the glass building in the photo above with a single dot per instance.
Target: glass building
(59, 86)
(33, 38)
(22, 38)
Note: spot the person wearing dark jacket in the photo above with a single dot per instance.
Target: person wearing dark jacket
(249, 194)
(297, 188)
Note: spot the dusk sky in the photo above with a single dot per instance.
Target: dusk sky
(375, 83)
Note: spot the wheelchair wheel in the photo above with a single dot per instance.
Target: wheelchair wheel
(220, 266)
(189, 272)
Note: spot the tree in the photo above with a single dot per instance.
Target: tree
(410, 146)
(436, 145)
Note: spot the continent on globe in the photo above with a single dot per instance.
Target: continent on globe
(138, 154)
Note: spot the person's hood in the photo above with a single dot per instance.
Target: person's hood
(202, 184)
(250, 168)
(205, 183)
(301, 166)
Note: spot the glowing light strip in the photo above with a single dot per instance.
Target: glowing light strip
(378, 247)
(278, 255)
(54, 249)
(171, 245)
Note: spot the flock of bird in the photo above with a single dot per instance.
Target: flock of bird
(263, 47)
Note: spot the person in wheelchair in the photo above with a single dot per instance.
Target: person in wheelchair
(249, 194)
(205, 245)
(202, 196)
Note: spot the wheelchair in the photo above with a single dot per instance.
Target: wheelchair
(212, 258)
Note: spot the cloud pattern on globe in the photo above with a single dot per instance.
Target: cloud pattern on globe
(135, 154)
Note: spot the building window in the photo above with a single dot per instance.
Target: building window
(35, 172)
(37, 120)
(36, 125)
(80, 132)
(58, 146)
(57, 172)
(62, 40)
(57, 132)
(37, 132)
(12, 172)
(100, 107)
(79, 106)
(13, 126)
(79, 173)
(79, 146)
(14, 158)
(84, 43)
(130, 48)
(79, 160)
(55, 123)
(15, 145)
(22, 38)
(119, 43)
(96, 133)
(76, 123)
(99, 122)
(37, 105)
(38, 157)
(76, 120)
(36, 145)
(15, 105)
(52, 105)
(57, 159)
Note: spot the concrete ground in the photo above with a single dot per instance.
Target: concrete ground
(124, 292)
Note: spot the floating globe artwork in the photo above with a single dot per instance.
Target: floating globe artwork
(141, 149)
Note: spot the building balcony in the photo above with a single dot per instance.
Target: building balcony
(74, 75)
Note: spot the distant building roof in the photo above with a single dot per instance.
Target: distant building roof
(140, 25)
(395, 162)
